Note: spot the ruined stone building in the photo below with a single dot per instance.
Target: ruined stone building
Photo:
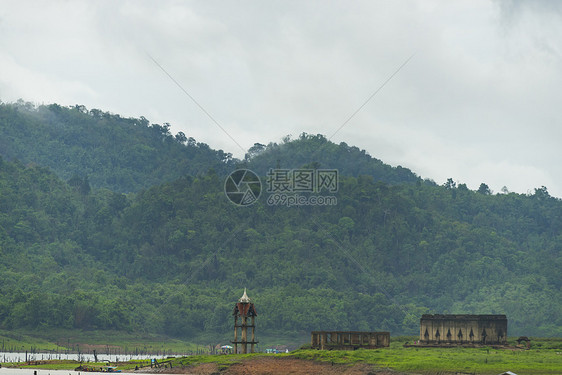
(349, 340)
(447, 330)
(244, 321)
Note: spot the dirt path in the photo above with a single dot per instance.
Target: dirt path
(286, 366)
(283, 366)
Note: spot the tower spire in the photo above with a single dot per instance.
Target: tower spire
(244, 298)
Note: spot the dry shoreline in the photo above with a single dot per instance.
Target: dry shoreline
(274, 366)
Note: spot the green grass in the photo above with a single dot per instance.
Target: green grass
(21, 341)
(55, 365)
(77, 340)
(544, 357)
(418, 360)
(433, 360)
(60, 340)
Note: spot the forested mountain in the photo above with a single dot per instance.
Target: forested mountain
(173, 258)
(315, 151)
(47, 277)
(130, 154)
(378, 259)
(121, 154)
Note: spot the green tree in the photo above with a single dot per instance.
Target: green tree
(484, 189)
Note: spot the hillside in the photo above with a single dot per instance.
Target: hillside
(120, 154)
(43, 222)
(173, 258)
(315, 151)
(377, 259)
(129, 154)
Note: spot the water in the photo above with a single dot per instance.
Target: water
(6, 357)
(27, 371)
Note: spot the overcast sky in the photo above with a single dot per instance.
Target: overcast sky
(479, 101)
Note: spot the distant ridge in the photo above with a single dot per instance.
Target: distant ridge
(120, 154)
(315, 151)
(129, 154)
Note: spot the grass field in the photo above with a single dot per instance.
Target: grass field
(84, 341)
(544, 357)
(433, 360)
(18, 341)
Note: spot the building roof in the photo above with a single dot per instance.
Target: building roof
(462, 317)
(244, 309)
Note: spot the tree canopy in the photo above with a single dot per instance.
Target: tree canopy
(120, 154)
(174, 257)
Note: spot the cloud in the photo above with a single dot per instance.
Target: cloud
(478, 102)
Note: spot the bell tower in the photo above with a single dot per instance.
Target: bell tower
(243, 310)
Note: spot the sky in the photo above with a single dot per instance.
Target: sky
(467, 90)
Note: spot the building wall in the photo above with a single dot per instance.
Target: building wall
(463, 329)
(349, 340)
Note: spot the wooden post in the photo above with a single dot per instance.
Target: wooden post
(235, 334)
(253, 335)
(244, 335)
